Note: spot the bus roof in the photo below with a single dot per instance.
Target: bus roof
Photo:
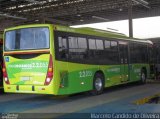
(99, 32)
(84, 30)
(102, 31)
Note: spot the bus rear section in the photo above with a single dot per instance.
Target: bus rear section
(28, 62)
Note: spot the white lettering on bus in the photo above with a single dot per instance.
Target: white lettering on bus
(114, 70)
(85, 73)
(32, 65)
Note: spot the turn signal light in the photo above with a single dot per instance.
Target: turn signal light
(49, 76)
(5, 76)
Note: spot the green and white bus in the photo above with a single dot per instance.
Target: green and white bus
(53, 59)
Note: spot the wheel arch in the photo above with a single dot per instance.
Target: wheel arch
(100, 72)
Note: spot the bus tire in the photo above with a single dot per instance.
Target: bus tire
(98, 84)
(143, 76)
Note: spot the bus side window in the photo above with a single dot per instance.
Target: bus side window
(111, 55)
(62, 43)
(82, 45)
(92, 48)
(77, 48)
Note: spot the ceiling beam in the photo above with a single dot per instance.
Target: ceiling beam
(100, 18)
(34, 1)
(12, 16)
(45, 19)
(142, 2)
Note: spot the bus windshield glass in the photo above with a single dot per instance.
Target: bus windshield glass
(27, 39)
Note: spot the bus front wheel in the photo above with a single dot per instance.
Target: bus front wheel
(98, 84)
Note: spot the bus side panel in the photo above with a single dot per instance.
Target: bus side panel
(135, 71)
(112, 74)
(78, 77)
(60, 73)
(74, 78)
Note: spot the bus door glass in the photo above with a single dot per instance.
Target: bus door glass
(123, 50)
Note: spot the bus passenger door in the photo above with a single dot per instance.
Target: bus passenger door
(123, 50)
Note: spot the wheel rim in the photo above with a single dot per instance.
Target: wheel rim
(98, 84)
(143, 77)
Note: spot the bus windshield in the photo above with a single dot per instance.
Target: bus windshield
(27, 39)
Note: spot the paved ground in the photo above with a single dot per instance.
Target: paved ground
(114, 100)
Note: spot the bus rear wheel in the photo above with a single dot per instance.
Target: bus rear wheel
(98, 84)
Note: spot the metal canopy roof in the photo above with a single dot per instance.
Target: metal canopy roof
(71, 12)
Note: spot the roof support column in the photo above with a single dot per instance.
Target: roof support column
(130, 18)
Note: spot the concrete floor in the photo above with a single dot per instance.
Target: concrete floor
(114, 100)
